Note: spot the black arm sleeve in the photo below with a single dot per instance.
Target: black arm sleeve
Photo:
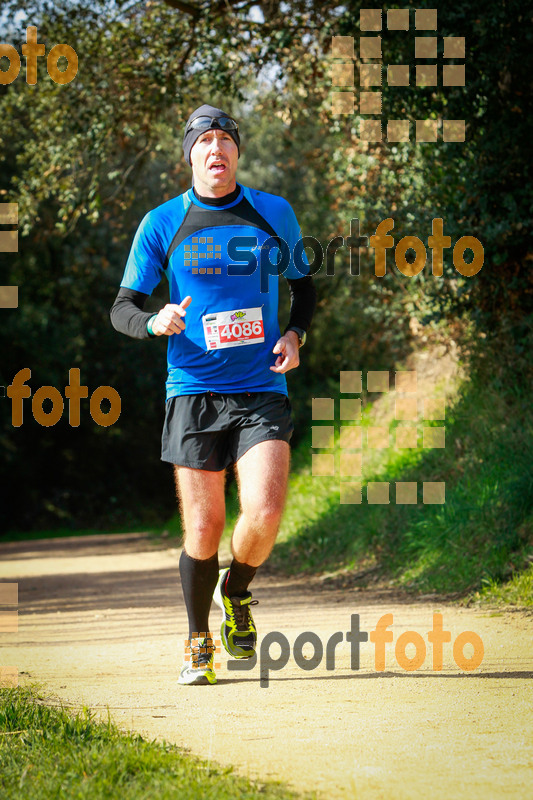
(127, 315)
(303, 302)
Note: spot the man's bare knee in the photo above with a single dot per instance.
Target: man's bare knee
(264, 517)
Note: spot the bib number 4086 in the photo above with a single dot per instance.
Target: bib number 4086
(240, 330)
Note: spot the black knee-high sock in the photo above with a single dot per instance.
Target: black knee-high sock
(239, 578)
(198, 581)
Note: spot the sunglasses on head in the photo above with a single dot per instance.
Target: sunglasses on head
(206, 123)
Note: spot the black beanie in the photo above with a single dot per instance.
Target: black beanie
(190, 137)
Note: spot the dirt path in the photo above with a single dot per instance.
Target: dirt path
(100, 619)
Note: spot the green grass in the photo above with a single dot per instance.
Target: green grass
(47, 752)
(476, 545)
(516, 592)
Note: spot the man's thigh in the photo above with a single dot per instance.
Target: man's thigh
(259, 417)
(263, 476)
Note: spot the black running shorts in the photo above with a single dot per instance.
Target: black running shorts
(210, 431)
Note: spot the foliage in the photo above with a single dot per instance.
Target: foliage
(483, 187)
(480, 537)
(85, 161)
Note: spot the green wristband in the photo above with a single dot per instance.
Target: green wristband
(149, 325)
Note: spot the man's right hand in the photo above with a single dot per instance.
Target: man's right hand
(170, 319)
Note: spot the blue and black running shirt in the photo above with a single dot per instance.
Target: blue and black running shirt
(232, 320)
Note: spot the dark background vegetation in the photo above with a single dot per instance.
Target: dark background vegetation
(86, 161)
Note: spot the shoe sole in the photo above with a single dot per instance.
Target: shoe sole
(198, 680)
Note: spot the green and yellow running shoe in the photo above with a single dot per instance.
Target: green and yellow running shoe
(238, 632)
(198, 668)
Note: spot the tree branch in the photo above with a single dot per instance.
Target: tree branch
(190, 46)
(187, 8)
(212, 8)
(226, 5)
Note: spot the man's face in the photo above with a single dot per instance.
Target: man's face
(214, 158)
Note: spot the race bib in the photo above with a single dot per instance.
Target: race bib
(233, 328)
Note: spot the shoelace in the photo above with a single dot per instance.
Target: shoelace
(242, 612)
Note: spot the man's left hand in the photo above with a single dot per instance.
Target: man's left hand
(287, 346)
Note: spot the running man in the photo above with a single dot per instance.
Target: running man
(218, 244)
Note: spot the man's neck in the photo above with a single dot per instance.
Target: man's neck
(223, 200)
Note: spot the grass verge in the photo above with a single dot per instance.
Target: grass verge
(48, 752)
(478, 545)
